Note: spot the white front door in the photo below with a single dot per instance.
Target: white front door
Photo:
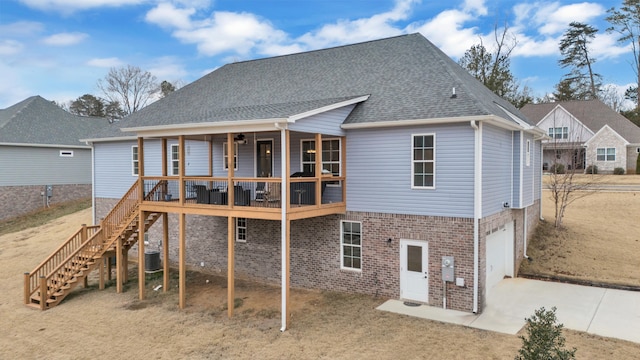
(414, 270)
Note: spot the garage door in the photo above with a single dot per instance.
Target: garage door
(499, 259)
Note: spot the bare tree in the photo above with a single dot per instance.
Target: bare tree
(610, 95)
(626, 22)
(565, 159)
(129, 86)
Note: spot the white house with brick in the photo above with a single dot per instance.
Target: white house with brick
(380, 168)
(586, 133)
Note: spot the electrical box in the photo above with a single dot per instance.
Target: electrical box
(447, 268)
(49, 190)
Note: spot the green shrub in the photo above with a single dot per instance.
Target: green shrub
(591, 169)
(618, 171)
(544, 338)
(557, 169)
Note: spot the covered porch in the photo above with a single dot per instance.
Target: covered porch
(306, 180)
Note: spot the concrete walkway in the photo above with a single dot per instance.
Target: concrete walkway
(604, 312)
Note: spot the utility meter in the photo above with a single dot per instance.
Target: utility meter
(447, 268)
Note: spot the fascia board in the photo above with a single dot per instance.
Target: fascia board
(294, 118)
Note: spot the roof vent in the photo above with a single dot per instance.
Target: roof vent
(453, 93)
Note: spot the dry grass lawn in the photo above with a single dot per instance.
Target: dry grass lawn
(600, 240)
(92, 323)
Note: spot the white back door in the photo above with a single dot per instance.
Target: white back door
(414, 270)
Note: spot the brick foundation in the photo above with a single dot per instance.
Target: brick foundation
(20, 200)
(315, 250)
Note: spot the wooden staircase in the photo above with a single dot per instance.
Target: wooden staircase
(69, 265)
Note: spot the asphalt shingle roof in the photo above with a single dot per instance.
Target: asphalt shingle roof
(407, 77)
(594, 114)
(39, 121)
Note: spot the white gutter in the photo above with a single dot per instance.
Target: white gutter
(61, 146)
(109, 139)
(283, 222)
(477, 207)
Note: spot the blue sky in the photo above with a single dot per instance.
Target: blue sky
(58, 49)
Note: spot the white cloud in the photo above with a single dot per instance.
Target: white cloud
(605, 46)
(10, 47)
(349, 31)
(167, 68)
(475, 6)
(65, 39)
(70, 6)
(105, 62)
(168, 16)
(21, 28)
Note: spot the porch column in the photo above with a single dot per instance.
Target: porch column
(141, 266)
(165, 251)
(343, 167)
(181, 169)
(230, 166)
(182, 256)
(140, 168)
(318, 170)
(230, 265)
(285, 225)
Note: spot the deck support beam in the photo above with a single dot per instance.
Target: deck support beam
(119, 265)
(182, 257)
(230, 265)
(141, 265)
(165, 251)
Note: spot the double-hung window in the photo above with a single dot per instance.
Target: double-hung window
(606, 154)
(559, 132)
(134, 160)
(241, 230)
(330, 156)
(175, 160)
(351, 245)
(423, 167)
(225, 156)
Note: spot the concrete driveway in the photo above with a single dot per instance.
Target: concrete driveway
(605, 312)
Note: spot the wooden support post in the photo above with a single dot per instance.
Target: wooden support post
(103, 262)
(43, 292)
(285, 228)
(85, 281)
(141, 265)
(287, 271)
(182, 256)
(119, 277)
(125, 266)
(165, 251)
(230, 265)
(109, 269)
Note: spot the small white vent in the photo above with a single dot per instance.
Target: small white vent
(66, 153)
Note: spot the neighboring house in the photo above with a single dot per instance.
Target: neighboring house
(584, 133)
(42, 161)
(381, 168)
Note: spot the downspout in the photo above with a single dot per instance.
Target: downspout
(93, 182)
(477, 207)
(283, 221)
(541, 179)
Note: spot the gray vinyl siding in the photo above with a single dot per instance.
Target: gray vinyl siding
(537, 177)
(22, 165)
(528, 172)
(516, 170)
(496, 169)
(379, 171)
(113, 174)
(325, 123)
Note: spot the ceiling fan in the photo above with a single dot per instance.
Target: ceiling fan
(239, 139)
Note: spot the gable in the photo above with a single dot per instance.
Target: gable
(608, 132)
(559, 117)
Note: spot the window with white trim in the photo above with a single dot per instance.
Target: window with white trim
(528, 161)
(559, 132)
(351, 245)
(423, 161)
(241, 230)
(606, 154)
(175, 159)
(66, 153)
(331, 156)
(225, 163)
(134, 160)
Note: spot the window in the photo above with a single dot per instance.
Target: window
(66, 153)
(134, 160)
(330, 156)
(351, 245)
(175, 160)
(241, 230)
(423, 161)
(528, 153)
(606, 154)
(225, 163)
(559, 133)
